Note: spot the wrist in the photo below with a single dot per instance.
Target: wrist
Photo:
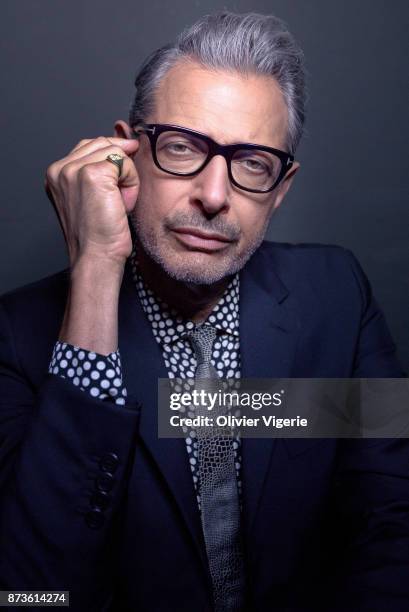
(91, 314)
(99, 270)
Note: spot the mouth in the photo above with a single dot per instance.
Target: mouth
(201, 241)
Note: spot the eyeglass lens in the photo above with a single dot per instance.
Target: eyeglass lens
(185, 153)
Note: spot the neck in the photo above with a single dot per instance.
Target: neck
(192, 301)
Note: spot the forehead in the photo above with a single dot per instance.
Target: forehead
(225, 105)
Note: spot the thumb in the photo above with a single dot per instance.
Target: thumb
(129, 196)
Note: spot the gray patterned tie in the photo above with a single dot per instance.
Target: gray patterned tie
(220, 508)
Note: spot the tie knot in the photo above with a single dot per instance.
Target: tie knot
(202, 339)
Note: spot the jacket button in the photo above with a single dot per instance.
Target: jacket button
(100, 500)
(109, 462)
(105, 482)
(94, 519)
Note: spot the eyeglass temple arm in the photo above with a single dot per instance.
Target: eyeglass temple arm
(142, 129)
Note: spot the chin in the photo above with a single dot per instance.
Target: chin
(197, 268)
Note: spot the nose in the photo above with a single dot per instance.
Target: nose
(212, 186)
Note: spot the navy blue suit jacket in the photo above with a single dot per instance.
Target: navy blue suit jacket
(325, 522)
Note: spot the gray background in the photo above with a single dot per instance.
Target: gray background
(67, 74)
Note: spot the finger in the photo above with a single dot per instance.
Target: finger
(124, 146)
(80, 144)
(59, 214)
(73, 166)
(127, 176)
(128, 184)
(101, 171)
(87, 146)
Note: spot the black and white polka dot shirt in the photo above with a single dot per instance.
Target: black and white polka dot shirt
(101, 375)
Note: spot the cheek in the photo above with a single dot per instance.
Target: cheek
(150, 189)
(159, 196)
(254, 219)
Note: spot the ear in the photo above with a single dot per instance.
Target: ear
(285, 184)
(122, 130)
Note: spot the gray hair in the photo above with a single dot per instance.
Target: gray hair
(245, 43)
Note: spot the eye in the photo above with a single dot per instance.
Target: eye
(253, 165)
(178, 148)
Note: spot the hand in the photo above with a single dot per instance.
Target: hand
(91, 202)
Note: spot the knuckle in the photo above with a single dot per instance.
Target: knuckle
(87, 172)
(51, 173)
(67, 172)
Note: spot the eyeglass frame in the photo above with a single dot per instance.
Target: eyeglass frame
(154, 130)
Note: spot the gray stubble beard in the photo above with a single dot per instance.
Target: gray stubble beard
(205, 275)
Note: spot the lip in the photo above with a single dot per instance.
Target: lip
(202, 241)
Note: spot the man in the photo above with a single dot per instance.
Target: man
(93, 501)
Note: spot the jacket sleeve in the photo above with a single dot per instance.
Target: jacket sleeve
(371, 498)
(375, 355)
(64, 464)
(371, 527)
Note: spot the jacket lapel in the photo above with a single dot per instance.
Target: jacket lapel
(143, 364)
(269, 329)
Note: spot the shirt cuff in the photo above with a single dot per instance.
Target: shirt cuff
(98, 375)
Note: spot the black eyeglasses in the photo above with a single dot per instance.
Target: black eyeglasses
(184, 152)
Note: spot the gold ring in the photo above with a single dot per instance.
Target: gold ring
(116, 159)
